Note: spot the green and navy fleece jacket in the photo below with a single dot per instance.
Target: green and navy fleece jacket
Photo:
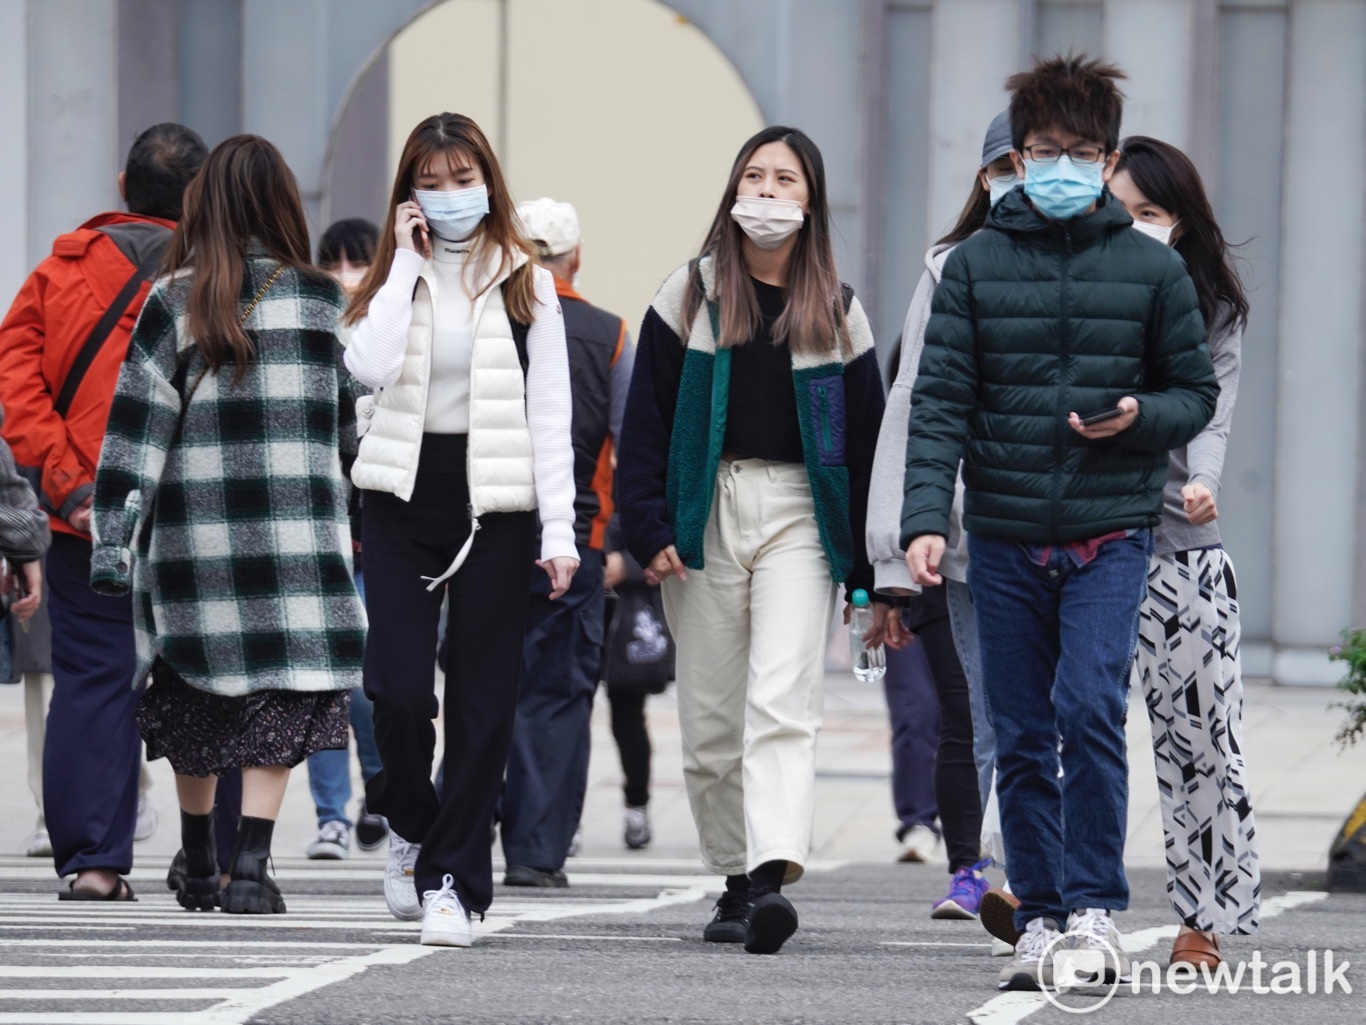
(676, 422)
(1035, 318)
(220, 502)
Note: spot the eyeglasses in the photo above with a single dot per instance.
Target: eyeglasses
(1084, 153)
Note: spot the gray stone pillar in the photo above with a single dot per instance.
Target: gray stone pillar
(73, 160)
(1318, 420)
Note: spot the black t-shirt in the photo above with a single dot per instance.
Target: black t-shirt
(761, 417)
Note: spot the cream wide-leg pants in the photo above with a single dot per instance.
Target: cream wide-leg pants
(751, 632)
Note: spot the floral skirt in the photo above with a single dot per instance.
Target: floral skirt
(207, 734)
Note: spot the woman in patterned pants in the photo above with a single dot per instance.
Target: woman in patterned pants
(1187, 655)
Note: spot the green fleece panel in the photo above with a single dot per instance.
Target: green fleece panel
(703, 391)
(829, 484)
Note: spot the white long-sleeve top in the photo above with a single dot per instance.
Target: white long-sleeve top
(379, 344)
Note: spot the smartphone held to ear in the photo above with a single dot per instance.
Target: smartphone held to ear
(1100, 416)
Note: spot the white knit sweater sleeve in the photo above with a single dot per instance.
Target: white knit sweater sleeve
(374, 351)
(548, 412)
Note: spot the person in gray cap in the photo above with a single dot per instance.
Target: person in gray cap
(941, 617)
(547, 770)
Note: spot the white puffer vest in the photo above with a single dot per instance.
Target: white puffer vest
(499, 463)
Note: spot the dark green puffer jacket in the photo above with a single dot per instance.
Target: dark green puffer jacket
(1034, 319)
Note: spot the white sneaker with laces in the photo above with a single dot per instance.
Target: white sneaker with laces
(445, 922)
(400, 892)
(1094, 929)
(1029, 969)
(333, 843)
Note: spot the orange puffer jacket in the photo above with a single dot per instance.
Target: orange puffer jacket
(41, 340)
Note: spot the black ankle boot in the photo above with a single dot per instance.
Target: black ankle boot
(251, 891)
(194, 869)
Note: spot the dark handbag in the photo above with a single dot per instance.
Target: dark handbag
(639, 651)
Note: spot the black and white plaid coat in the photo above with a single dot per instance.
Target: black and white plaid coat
(229, 522)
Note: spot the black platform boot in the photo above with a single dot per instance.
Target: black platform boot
(251, 891)
(194, 869)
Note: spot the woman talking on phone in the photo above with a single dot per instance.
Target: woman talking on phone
(461, 336)
(743, 480)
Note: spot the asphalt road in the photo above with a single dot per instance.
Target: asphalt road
(623, 944)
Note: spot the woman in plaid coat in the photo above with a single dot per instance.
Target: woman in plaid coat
(220, 501)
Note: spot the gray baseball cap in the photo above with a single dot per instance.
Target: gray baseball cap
(997, 143)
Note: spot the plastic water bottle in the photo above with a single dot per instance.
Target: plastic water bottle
(870, 664)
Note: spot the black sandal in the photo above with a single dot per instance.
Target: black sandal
(121, 891)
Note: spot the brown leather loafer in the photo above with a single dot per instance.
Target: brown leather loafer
(1196, 948)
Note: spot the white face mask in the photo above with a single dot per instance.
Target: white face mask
(999, 187)
(1161, 232)
(768, 222)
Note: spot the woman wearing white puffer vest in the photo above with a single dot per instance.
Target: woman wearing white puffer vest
(462, 338)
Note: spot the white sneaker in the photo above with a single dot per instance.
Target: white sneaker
(146, 823)
(445, 922)
(333, 843)
(1030, 969)
(920, 844)
(400, 892)
(38, 845)
(637, 827)
(1093, 929)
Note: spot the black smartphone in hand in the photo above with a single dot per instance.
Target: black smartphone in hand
(1101, 415)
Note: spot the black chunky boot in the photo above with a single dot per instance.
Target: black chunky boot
(251, 891)
(194, 869)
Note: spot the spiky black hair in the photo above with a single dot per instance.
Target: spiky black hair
(1075, 93)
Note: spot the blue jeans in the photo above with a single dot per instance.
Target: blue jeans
(963, 620)
(329, 772)
(1057, 642)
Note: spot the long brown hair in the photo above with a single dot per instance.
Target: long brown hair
(244, 191)
(1168, 178)
(446, 137)
(813, 317)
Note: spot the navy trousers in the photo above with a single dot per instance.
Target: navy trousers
(547, 769)
(913, 706)
(92, 753)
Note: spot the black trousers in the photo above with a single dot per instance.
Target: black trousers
(955, 777)
(402, 542)
(633, 742)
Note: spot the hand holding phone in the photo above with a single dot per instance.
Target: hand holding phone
(1101, 415)
(410, 227)
(1106, 423)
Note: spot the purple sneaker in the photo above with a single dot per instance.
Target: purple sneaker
(965, 894)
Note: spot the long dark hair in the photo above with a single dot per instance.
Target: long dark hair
(1167, 177)
(812, 320)
(446, 137)
(244, 191)
(972, 218)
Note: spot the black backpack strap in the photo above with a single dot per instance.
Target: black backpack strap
(143, 244)
(519, 333)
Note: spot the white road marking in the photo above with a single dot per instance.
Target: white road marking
(1014, 1007)
(290, 969)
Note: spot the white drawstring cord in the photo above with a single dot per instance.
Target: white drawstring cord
(460, 558)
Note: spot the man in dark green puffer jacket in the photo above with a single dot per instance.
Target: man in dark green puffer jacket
(1057, 310)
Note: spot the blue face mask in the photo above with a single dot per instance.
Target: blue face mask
(454, 215)
(1062, 189)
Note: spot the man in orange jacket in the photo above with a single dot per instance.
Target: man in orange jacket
(61, 346)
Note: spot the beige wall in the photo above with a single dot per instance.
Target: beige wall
(617, 106)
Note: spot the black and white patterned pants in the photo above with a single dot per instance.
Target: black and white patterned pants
(1187, 662)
